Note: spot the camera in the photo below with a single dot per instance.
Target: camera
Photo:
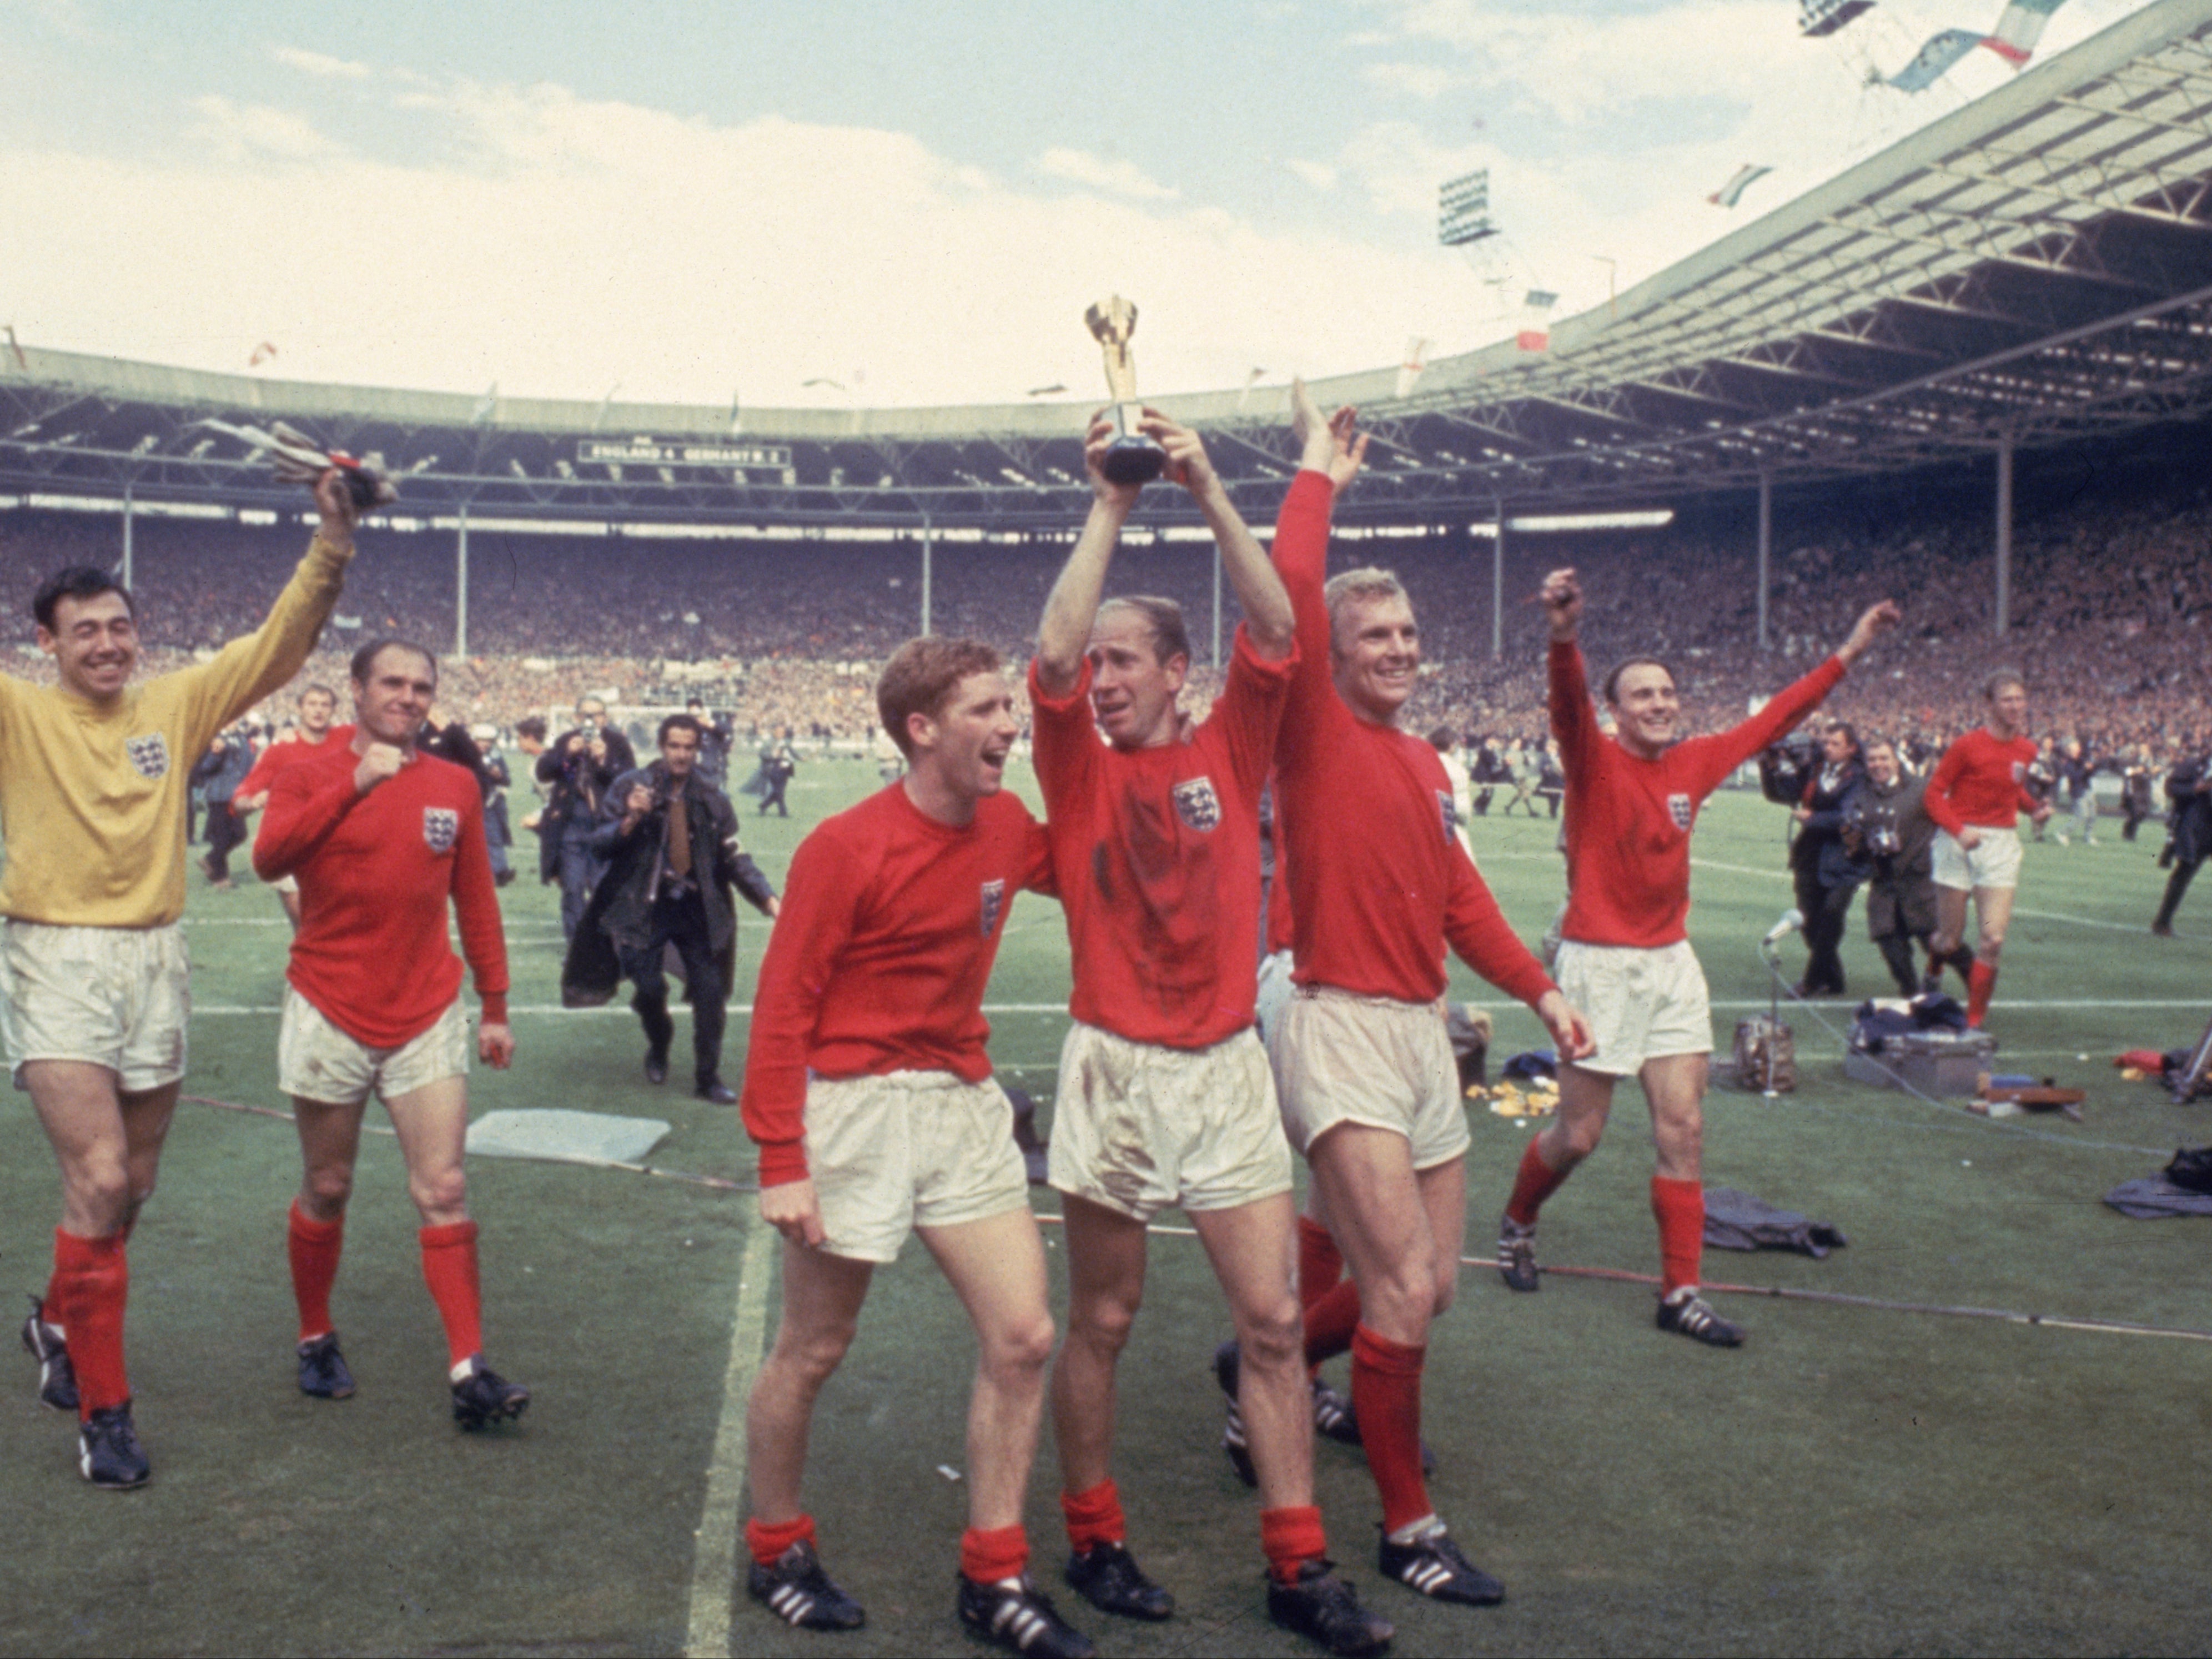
(1881, 840)
(1783, 768)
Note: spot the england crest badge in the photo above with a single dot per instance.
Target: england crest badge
(994, 901)
(1196, 804)
(149, 755)
(1680, 809)
(1449, 809)
(442, 827)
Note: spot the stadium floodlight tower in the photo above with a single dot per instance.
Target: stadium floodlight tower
(1463, 210)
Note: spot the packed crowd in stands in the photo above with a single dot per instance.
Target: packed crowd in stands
(2112, 616)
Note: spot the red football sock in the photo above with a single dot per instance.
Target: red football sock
(1980, 984)
(1330, 1322)
(449, 1267)
(1679, 1206)
(313, 1246)
(987, 1556)
(1093, 1516)
(1321, 1264)
(93, 1280)
(1291, 1538)
(1386, 1397)
(1535, 1181)
(768, 1543)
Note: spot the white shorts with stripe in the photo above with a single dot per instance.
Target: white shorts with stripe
(1343, 1058)
(1995, 862)
(316, 1060)
(910, 1149)
(1642, 1003)
(1138, 1127)
(118, 997)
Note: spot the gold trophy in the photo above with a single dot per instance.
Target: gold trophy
(1132, 458)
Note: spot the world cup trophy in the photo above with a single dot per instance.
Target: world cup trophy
(1132, 458)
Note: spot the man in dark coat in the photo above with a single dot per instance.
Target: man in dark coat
(1825, 873)
(1886, 824)
(670, 844)
(2189, 787)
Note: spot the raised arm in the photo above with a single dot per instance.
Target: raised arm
(1574, 722)
(249, 669)
(1329, 458)
(1065, 634)
(1259, 590)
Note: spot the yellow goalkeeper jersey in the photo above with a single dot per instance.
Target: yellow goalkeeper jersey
(93, 798)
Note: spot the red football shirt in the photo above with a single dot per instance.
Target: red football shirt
(277, 756)
(1628, 820)
(375, 873)
(890, 925)
(1981, 782)
(1378, 881)
(1157, 855)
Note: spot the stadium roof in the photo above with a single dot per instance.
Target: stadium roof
(2034, 268)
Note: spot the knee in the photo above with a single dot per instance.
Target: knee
(1021, 1346)
(1989, 948)
(1447, 1289)
(103, 1186)
(811, 1356)
(1404, 1296)
(1101, 1322)
(1578, 1140)
(438, 1191)
(327, 1190)
(1273, 1336)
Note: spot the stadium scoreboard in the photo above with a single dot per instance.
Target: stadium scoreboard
(657, 451)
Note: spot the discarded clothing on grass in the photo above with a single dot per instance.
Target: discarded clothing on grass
(1737, 1221)
(1878, 1020)
(2154, 1198)
(1533, 1064)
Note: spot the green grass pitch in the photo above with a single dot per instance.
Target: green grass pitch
(1853, 1480)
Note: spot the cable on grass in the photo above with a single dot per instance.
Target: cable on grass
(1972, 1121)
(1790, 1293)
(717, 1183)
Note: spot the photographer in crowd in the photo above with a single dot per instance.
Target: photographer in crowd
(669, 840)
(2189, 787)
(217, 776)
(1823, 866)
(578, 768)
(1886, 827)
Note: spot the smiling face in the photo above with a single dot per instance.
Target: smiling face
(1646, 708)
(1133, 692)
(390, 705)
(94, 643)
(963, 746)
(1375, 654)
(1882, 763)
(2008, 708)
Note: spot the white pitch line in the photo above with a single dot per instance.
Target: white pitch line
(2017, 910)
(746, 1008)
(714, 1557)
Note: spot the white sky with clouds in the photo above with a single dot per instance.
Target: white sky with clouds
(692, 200)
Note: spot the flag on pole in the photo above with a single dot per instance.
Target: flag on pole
(1410, 370)
(1934, 60)
(1732, 192)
